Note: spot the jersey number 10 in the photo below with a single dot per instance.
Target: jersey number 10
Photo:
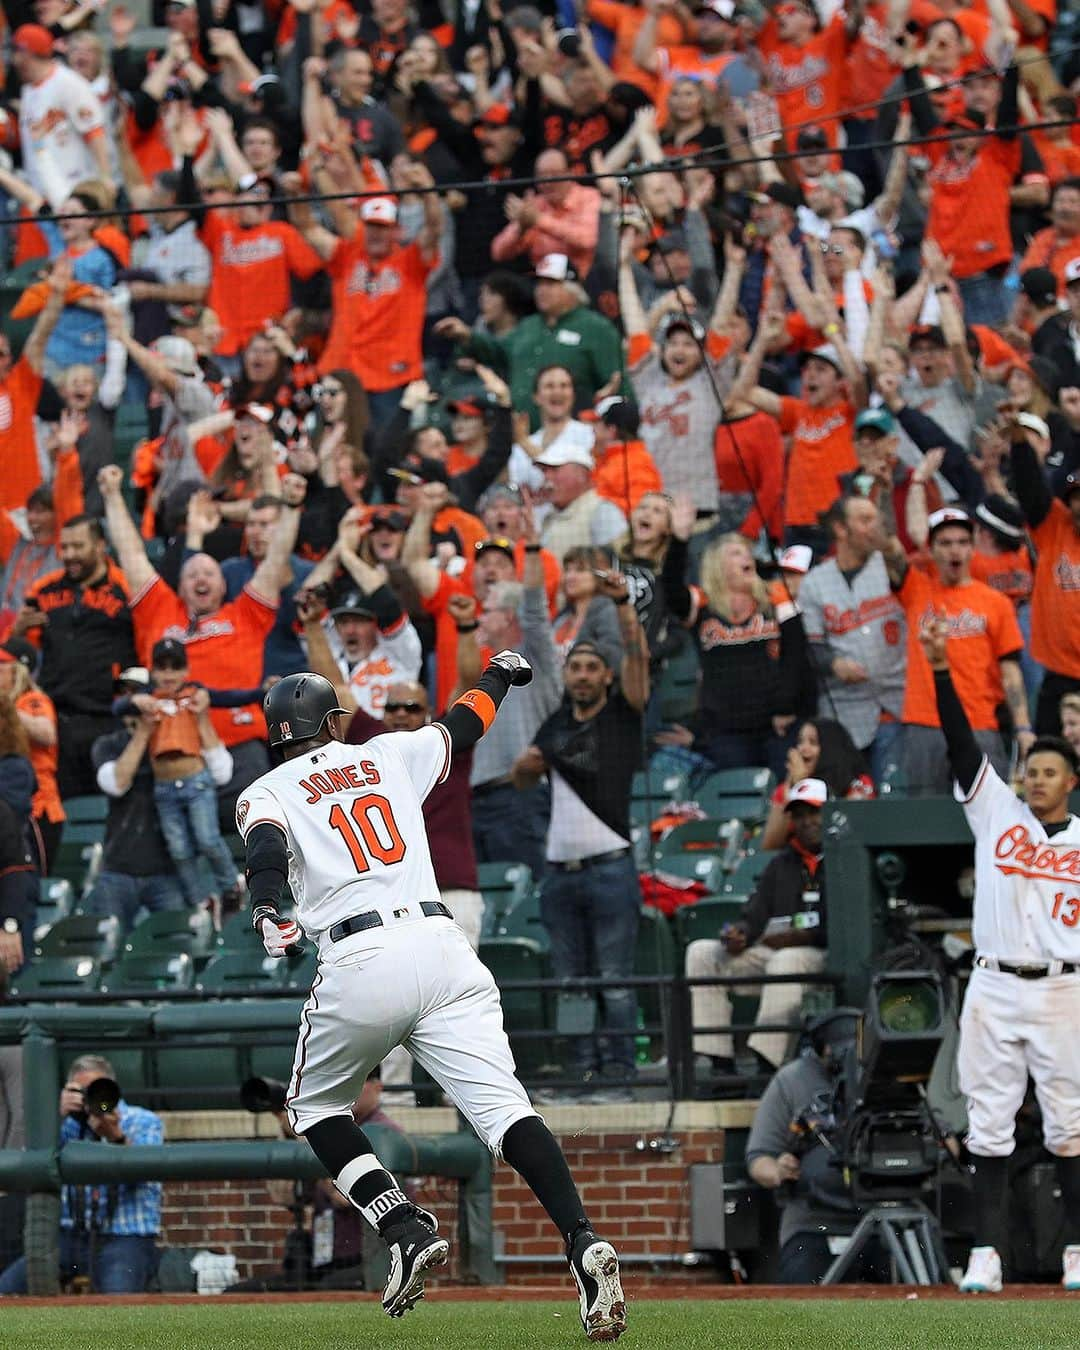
(359, 831)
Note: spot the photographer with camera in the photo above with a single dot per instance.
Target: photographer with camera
(788, 1153)
(106, 1232)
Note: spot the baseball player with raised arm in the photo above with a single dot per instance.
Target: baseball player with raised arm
(1022, 1006)
(343, 826)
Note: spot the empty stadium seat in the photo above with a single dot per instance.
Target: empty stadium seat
(658, 785)
(503, 885)
(745, 874)
(143, 973)
(173, 930)
(751, 808)
(523, 921)
(742, 782)
(52, 977)
(94, 935)
(695, 836)
(654, 954)
(707, 868)
(240, 973)
(55, 901)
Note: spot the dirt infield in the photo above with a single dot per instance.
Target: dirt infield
(636, 1290)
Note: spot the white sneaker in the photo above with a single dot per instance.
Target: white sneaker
(983, 1274)
(1070, 1267)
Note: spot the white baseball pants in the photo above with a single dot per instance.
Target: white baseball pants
(1011, 1027)
(416, 983)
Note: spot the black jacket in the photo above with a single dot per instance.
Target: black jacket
(784, 889)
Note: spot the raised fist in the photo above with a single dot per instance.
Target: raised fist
(515, 665)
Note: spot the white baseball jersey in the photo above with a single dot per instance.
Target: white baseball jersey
(396, 657)
(1027, 885)
(55, 119)
(352, 815)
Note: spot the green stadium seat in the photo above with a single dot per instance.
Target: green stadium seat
(750, 808)
(55, 901)
(297, 972)
(523, 1009)
(144, 973)
(743, 878)
(696, 836)
(89, 810)
(658, 786)
(706, 918)
(654, 954)
(196, 1064)
(240, 972)
(503, 885)
(52, 977)
(93, 935)
(276, 1061)
(79, 855)
(523, 921)
(742, 782)
(173, 930)
(707, 868)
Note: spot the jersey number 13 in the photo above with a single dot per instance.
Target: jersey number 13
(364, 838)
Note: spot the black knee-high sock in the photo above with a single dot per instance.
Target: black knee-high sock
(990, 1192)
(345, 1151)
(1068, 1170)
(532, 1150)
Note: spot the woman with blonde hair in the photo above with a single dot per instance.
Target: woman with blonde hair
(37, 718)
(753, 657)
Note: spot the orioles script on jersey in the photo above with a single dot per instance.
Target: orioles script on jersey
(344, 779)
(1020, 855)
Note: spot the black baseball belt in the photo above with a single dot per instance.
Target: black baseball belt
(1026, 972)
(577, 864)
(359, 923)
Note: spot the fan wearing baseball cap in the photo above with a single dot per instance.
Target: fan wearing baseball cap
(61, 121)
(781, 931)
(623, 470)
(1054, 528)
(559, 216)
(984, 642)
(378, 288)
(565, 331)
(807, 63)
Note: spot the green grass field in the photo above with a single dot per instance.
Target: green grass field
(742, 1324)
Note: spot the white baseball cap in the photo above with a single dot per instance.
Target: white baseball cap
(1033, 423)
(797, 558)
(949, 515)
(1072, 271)
(809, 791)
(379, 211)
(555, 267)
(177, 353)
(559, 455)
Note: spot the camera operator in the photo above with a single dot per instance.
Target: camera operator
(106, 1231)
(782, 932)
(786, 1154)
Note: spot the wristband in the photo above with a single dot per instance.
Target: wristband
(467, 627)
(261, 912)
(624, 600)
(943, 287)
(532, 548)
(831, 329)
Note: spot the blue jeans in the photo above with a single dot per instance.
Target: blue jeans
(986, 299)
(384, 404)
(884, 754)
(121, 1264)
(592, 920)
(511, 826)
(188, 813)
(745, 750)
(116, 893)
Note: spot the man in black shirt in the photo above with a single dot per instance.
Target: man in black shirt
(80, 616)
(136, 870)
(781, 932)
(591, 900)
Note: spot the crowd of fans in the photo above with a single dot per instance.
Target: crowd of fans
(448, 328)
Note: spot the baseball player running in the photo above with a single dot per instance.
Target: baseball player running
(1022, 1006)
(343, 826)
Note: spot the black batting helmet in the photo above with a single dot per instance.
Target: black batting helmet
(297, 707)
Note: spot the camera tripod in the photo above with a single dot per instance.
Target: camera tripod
(909, 1233)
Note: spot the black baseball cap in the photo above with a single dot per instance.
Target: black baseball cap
(356, 604)
(928, 332)
(496, 542)
(22, 651)
(389, 520)
(169, 654)
(1040, 286)
(587, 648)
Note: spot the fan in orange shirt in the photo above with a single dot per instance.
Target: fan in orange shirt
(673, 27)
(1057, 245)
(985, 644)
(805, 64)
(623, 470)
(38, 717)
(378, 287)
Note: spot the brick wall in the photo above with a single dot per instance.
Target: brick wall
(639, 1198)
